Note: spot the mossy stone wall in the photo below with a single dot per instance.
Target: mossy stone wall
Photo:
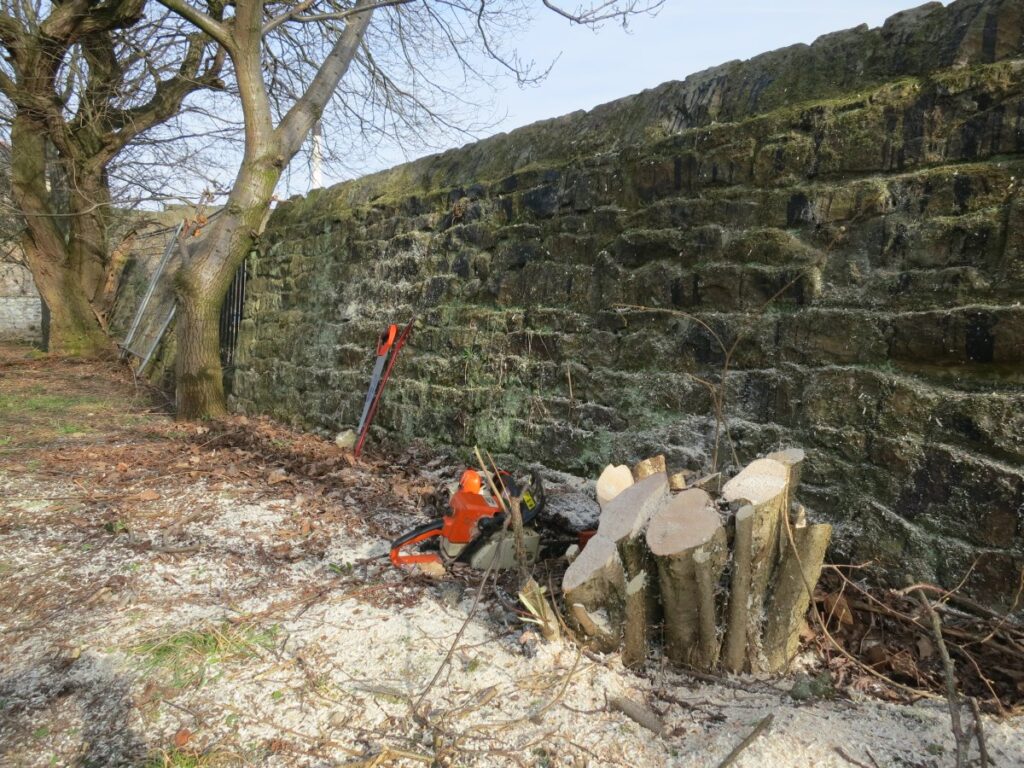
(845, 217)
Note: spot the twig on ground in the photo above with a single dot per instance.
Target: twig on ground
(979, 731)
(852, 760)
(638, 713)
(952, 697)
(758, 730)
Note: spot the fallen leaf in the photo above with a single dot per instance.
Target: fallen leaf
(903, 663)
(925, 649)
(807, 632)
(876, 656)
(837, 608)
(181, 737)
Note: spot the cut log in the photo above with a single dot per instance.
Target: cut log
(739, 592)
(623, 522)
(792, 459)
(788, 603)
(594, 593)
(763, 484)
(628, 513)
(612, 482)
(679, 481)
(708, 569)
(649, 467)
(710, 483)
(687, 524)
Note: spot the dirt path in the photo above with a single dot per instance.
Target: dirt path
(174, 595)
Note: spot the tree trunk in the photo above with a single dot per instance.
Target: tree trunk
(74, 327)
(800, 569)
(764, 484)
(594, 589)
(623, 522)
(89, 208)
(200, 381)
(685, 527)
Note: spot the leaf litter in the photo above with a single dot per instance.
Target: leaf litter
(180, 594)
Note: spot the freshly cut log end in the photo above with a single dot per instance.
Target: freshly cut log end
(594, 590)
(679, 481)
(623, 522)
(760, 482)
(763, 483)
(688, 520)
(648, 467)
(613, 481)
(627, 514)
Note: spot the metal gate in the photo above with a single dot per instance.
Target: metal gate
(230, 322)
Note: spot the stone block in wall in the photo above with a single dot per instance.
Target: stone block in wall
(968, 336)
(833, 337)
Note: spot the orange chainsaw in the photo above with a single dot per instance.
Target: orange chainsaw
(472, 530)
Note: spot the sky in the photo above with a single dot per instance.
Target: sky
(687, 36)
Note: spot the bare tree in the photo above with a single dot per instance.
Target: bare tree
(83, 81)
(292, 59)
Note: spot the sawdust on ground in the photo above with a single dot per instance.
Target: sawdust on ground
(178, 595)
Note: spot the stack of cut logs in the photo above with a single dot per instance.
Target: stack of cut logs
(721, 583)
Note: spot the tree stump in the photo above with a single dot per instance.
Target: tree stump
(623, 522)
(688, 524)
(661, 555)
(594, 592)
(790, 599)
(763, 484)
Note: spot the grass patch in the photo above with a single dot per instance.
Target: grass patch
(73, 429)
(189, 654)
(176, 758)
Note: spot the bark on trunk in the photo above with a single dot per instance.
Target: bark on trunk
(789, 601)
(200, 382)
(204, 280)
(74, 327)
(686, 526)
(623, 521)
(764, 484)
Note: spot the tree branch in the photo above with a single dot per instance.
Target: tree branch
(296, 124)
(215, 29)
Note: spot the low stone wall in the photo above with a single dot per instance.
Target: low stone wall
(21, 313)
(848, 258)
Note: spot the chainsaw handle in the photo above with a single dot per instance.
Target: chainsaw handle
(413, 537)
(387, 338)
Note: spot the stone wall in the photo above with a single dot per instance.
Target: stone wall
(835, 229)
(21, 313)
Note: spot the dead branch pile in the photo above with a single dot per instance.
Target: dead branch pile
(889, 631)
(727, 579)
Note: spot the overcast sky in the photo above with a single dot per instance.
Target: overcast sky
(685, 37)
